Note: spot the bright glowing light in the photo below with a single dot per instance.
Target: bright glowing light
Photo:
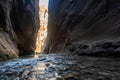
(44, 2)
(42, 32)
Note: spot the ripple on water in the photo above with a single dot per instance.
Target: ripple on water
(48, 67)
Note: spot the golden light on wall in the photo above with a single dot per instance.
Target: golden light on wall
(42, 32)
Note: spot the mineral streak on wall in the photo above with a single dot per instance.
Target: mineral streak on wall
(42, 33)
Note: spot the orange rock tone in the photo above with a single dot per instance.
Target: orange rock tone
(42, 33)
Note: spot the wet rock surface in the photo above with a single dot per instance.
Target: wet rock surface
(61, 67)
(102, 48)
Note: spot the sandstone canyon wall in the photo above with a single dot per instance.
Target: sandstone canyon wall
(19, 22)
(82, 21)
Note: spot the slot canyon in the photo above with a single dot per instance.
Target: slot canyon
(59, 40)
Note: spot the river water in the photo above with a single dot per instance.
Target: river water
(61, 67)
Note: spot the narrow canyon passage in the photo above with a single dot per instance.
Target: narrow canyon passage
(43, 30)
(59, 40)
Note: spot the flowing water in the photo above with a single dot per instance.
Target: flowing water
(61, 67)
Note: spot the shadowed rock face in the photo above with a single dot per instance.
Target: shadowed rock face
(19, 23)
(25, 21)
(82, 21)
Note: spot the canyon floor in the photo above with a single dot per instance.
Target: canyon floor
(61, 67)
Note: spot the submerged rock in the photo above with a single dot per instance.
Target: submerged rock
(69, 68)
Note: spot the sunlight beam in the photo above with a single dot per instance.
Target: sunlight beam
(42, 32)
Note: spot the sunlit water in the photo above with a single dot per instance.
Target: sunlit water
(62, 67)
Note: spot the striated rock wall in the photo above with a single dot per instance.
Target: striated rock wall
(19, 22)
(25, 22)
(83, 21)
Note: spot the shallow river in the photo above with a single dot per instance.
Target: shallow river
(61, 67)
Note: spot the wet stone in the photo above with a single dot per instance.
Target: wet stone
(104, 73)
(51, 69)
(47, 64)
(17, 78)
(61, 67)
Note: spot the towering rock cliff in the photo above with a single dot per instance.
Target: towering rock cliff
(83, 21)
(19, 22)
(25, 22)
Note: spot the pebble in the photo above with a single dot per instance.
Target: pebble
(61, 67)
